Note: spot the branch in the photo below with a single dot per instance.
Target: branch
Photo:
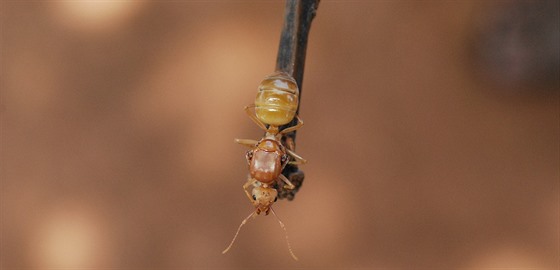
(291, 59)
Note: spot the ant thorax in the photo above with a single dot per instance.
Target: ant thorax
(266, 161)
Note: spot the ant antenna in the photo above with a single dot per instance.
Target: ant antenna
(238, 229)
(285, 234)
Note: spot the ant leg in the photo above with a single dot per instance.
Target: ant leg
(250, 182)
(289, 184)
(254, 117)
(298, 159)
(247, 142)
(290, 129)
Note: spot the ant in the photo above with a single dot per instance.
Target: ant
(275, 105)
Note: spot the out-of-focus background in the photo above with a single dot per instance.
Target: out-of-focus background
(431, 130)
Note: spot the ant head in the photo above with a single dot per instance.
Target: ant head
(263, 198)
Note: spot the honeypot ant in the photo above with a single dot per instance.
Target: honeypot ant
(275, 105)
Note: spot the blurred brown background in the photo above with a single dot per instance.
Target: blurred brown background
(431, 130)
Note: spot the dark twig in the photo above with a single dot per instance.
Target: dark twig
(291, 59)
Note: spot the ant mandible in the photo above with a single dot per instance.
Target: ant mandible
(275, 105)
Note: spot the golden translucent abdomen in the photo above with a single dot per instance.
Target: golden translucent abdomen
(277, 100)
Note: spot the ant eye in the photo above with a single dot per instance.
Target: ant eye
(254, 197)
(275, 198)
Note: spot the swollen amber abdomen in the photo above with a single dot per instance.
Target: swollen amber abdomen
(277, 100)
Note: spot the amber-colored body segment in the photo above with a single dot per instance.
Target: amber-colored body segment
(277, 100)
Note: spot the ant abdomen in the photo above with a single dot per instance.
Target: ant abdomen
(277, 100)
